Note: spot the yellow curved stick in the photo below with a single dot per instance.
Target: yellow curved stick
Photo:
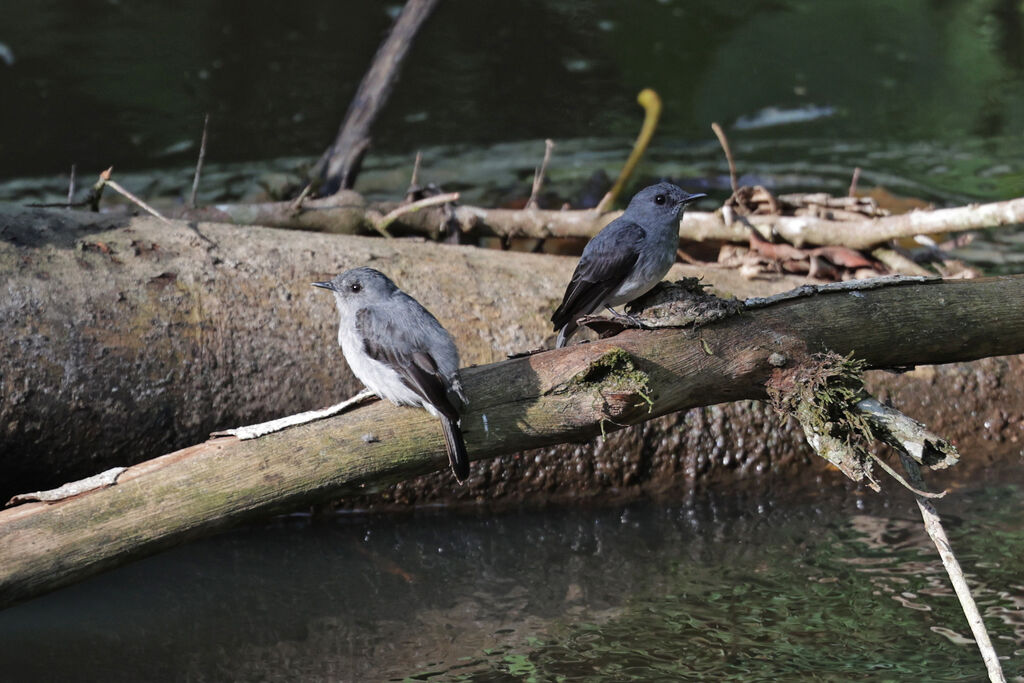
(651, 103)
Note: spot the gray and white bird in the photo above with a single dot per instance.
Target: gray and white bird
(400, 352)
(627, 258)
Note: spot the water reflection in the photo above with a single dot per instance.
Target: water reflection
(729, 589)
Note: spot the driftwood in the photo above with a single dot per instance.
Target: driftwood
(339, 165)
(350, 214)
(568, 394)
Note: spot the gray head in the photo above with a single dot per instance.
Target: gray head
(659, 204)
(359, 287)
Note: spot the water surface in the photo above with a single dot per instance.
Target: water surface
(722, 589)
(127, 84)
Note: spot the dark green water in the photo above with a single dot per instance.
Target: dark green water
(127, 84)
(720, 589)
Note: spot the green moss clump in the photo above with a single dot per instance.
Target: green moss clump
(614, 370)
(823, 398)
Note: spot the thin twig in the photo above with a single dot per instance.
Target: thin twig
(933, 525)
(297, 204)
(414, 180)
(71, 185)
(682, 255)
(73, 488)
(903, 482)
(199, 164)
(853, 182)
(146, 207)
(724, 142)
(538, 174)
(264, 428)
(382, 224)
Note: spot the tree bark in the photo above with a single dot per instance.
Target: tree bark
(549, 397)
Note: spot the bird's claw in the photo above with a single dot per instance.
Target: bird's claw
(625, 318)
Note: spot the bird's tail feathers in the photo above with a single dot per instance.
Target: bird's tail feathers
(565, 333)
(458, 458)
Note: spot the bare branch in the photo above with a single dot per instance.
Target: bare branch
(145, 207)
(698, 226)
(538, 175)
(199, 164)
(933, 525)
(71, 186)
(853, 182)
(339, 165)
(381, 224)
(515, 405)
(724, 142)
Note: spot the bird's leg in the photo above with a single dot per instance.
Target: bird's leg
(633, 320)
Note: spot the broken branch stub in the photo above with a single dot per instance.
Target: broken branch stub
(908, 435)
(841, 420)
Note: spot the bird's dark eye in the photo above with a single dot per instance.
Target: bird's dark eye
(659, 199)
(355, 287)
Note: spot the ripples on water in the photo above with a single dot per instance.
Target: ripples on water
(724, 590)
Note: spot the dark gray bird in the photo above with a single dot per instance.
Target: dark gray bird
(627, 258)
(400, 352)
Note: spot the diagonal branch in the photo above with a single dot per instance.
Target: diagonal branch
(528, 402)
(339, 165)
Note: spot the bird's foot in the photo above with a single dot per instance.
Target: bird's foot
(625, 318)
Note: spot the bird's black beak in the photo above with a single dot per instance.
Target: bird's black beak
(324, 285)
(692, 198)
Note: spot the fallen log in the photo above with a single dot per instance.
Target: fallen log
(127, 338)
(349, 213)
(550, 397)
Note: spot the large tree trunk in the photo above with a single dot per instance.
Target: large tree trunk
(528, 402)
(127, 338)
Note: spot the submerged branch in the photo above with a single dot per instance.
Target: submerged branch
(933, 525)
(841, 427)
(339, 165)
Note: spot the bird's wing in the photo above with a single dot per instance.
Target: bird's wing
(606, 263)
(393, 344)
